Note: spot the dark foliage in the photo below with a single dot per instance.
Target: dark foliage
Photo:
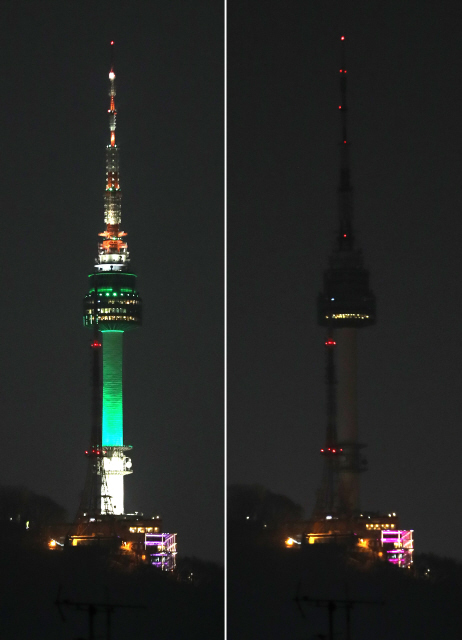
(199, 572)
(20, 505)
(264, 580)
(260, 506)
(176, 605)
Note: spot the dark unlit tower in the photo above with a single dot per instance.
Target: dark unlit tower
(345, 305)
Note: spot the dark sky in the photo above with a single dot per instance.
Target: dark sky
(405, 98)
(54, 66)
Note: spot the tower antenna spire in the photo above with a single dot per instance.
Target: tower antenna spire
(345, 239)
(112, 92)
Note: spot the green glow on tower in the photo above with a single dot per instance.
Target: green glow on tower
(112, 389)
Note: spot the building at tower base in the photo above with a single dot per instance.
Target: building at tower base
(139, 539)
(375, 536)
(369, 537)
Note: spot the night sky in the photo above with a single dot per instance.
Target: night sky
(405, 106)
(405, 97)
(54, 66)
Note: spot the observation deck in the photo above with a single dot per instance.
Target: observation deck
(119, 303)
(346, 299)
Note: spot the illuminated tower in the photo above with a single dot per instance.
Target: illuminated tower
(345, 305)
(114, 305)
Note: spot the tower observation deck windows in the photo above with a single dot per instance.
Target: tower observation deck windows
(119, 304)
(344, 316)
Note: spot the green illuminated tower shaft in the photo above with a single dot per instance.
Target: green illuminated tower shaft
(113, 303)
(112, 389)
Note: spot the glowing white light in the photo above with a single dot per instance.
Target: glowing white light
(116, 468)
(111, 75)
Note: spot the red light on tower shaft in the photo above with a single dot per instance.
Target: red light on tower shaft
(342, 38)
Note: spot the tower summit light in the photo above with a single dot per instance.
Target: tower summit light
(114, 305)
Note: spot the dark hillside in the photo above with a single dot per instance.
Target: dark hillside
(263, 582)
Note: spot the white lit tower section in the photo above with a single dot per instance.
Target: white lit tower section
(345, 305)
(114, 303)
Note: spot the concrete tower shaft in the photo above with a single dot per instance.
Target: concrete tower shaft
(346, 304)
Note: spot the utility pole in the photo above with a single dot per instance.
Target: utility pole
(92, 608)
(331, 605)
